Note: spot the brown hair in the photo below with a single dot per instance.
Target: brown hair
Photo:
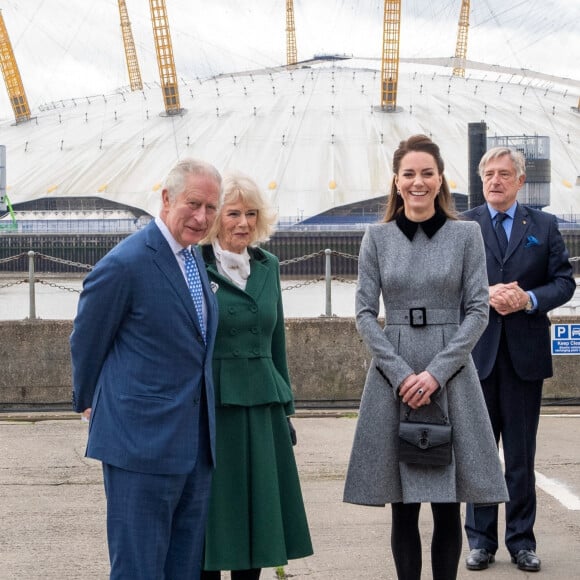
(443, 200)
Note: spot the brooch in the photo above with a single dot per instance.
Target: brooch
(214, 287)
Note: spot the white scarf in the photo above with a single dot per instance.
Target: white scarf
(234, 266)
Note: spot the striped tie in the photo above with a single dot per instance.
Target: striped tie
(194, 284)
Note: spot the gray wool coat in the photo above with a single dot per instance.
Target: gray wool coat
(446, 275)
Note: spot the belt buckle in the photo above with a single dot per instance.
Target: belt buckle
(417, 317)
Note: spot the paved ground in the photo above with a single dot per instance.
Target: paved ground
(52, 517)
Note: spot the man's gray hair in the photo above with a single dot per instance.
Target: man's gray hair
(175, 180)
(517, 158)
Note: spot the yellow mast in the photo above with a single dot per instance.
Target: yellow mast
(12, 76)
(292, 56)
(164, 49)
(390, 62)
(461, 47)
(130, 52)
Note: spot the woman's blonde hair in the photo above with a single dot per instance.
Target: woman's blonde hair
(239, 187)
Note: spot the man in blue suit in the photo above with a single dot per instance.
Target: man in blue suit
(529, 274)
(142, 370)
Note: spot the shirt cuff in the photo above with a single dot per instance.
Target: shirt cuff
(534, 301)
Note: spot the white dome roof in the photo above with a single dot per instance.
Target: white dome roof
(313, 136)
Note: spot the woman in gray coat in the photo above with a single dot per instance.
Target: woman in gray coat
(430, 270)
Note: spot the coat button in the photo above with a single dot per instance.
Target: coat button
(253, 308)
(256, 351)
(234, 331)
(254, 330)
(231, 310)
(236, 352)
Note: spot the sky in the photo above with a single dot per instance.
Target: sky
(74, 48)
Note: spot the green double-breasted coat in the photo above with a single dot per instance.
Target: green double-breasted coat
(257, 517)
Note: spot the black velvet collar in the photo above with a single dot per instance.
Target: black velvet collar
(430, 226)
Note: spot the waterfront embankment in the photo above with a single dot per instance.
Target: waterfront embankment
(327, 358)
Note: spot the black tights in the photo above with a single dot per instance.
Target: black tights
(445, 544)
(253, 574)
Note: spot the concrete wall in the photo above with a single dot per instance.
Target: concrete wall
(328, 362)
(327, 359)
(35, 363)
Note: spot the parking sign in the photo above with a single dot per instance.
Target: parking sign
(566, 339)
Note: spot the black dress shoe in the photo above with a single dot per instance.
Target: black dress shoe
(527, 561)
(479, 559)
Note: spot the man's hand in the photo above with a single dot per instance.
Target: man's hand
(507, 298)
(86, 414)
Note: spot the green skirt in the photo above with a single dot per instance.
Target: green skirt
(256, 514)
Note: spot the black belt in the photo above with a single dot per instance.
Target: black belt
(422, 316)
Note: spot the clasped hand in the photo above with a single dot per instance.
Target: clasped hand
(507, 298)
(416, 390)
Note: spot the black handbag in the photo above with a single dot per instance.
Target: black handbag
(425, 443)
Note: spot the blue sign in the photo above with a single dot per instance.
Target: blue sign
(566, 339)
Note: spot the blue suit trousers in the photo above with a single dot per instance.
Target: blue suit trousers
(156, 522)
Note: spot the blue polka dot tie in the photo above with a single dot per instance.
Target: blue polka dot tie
(194, 284)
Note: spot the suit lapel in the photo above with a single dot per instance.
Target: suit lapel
(488, 232)
(164, 259)
(519, 229)
(257, 279)
(258, 273)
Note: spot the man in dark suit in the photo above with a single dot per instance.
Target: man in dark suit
(142, 371)
(529, 274)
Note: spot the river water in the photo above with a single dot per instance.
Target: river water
(57, 298)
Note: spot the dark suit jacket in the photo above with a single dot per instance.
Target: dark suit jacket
(537, 259)
(139, 359)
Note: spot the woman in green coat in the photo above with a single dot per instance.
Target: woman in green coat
(256, 516)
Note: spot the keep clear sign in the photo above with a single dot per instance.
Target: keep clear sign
(566, 339)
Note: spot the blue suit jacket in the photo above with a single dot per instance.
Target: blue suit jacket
(537, 259)
(139, 360)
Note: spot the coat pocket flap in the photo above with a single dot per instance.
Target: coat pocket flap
(425, 435)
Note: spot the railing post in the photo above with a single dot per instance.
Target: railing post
(328, 276)
(32, 297)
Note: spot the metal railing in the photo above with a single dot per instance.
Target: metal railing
(32, 278)
(328, 278)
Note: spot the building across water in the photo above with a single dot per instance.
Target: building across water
(290, 243)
